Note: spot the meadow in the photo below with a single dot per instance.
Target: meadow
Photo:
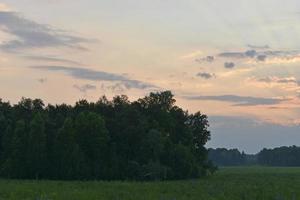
(231, 183)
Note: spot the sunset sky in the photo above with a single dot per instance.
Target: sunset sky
(238, 61)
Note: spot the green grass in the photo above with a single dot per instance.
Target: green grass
(253, 183)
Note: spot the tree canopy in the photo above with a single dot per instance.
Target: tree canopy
(147, 139)
(280, 156)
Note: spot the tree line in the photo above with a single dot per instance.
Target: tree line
(280, 156)
(227, 157)
(150, 138)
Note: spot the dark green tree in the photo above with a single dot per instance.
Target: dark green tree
(36, 148)
(147, 139)
(15, 146)
(92, 138)
(69, 158)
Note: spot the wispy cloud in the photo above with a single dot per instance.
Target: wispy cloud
(274, 79)
(192, 55)
(85, 88)
(51, 59)
(42, 80)
(238, 100)
(236, 72)
(287, 83)
(258, 46)
(283, 59)
(30, 34)
(266, 56)
(206, 75)
(208, 59)
(236, 55)
(229, 65)
(261, 58)
(94, 75)
(116, 87)
(239, 55)
(256, 54)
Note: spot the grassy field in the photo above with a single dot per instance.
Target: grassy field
(255, 183)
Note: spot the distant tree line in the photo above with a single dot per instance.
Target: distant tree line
(227, 157)
(147, 139)
(281, 156)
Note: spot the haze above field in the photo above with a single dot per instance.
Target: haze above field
(236, 61)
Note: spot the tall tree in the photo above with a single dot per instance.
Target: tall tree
(92, 138)
(36, 149)
(15, 146)
(69, 158)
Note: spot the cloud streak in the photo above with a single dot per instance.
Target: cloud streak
(238, 100)
(229, 65)
(94, 75)
(278, 80)
(51, 59)
(30, 34)
(239, 55)
(117, 87)
(256, 54)
(258, 46)
(208, 59)
(42, 80)
(85, 88)
(206, 75)
(286, 83)
(236, 55)
(266, 56)
(261, 58)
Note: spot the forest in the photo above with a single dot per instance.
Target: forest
(276, 157)
(147, 139)
(280, 157)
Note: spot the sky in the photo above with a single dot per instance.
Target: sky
(236, 61)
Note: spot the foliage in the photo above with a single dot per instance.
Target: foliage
(227, 157)
(148, 139)
(280, 157)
